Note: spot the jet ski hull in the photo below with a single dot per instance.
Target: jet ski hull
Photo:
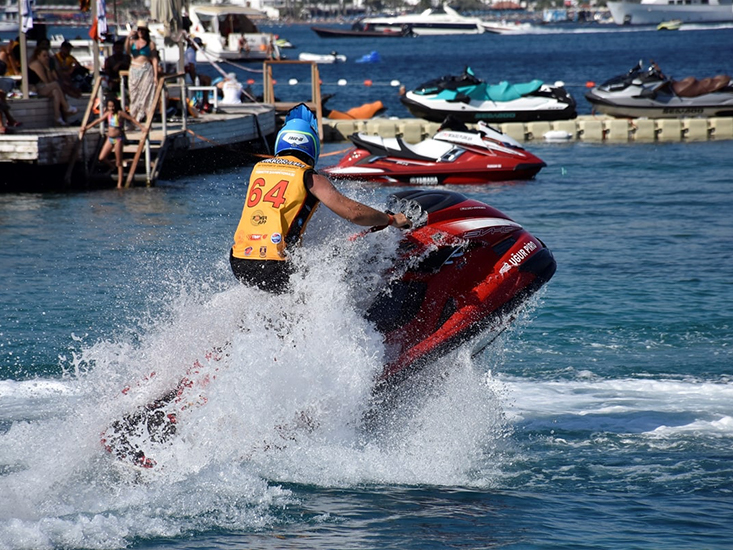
(664, 106)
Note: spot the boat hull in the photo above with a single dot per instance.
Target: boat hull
(328, 32)
(429, 29)
(628, 13)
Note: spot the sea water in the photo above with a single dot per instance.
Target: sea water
(601, 419)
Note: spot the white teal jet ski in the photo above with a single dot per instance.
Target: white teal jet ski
(469, 99)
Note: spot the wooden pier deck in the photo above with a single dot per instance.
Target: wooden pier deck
(36, 155)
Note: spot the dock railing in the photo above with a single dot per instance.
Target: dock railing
(159, 98)
(281, 107)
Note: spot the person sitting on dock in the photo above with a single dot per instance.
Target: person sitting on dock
(115, 116)
(190, 69)
(117, 61)
(41, 76)
(283, 193)
(10, 56)
(5, 110)
(232, 90)
(68, 69)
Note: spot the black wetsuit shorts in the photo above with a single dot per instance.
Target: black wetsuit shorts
(270, 275)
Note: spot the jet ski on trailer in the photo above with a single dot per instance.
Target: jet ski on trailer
(454, 155)
(650, 93)
(461, 272)
(470, 99)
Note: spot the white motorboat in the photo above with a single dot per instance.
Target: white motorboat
(653, 12)
(227, 32)
(433, 21)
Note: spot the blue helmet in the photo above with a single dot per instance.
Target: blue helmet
(299, 133)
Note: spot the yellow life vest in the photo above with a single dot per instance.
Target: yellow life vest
(276, 211)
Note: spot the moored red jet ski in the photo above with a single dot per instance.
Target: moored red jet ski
(461, 272)
(649, 93)
(454, 155)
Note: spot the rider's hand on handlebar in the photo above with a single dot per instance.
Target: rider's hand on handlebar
(401, 221)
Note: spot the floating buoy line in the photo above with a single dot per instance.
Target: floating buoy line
(340, 82)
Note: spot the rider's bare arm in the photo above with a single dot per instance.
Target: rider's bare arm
(349, 209)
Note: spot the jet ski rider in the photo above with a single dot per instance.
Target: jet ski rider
(282, 195)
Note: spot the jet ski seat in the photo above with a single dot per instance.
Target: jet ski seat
(429, 150)
(692, 87)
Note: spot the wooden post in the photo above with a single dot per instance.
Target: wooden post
(23, 60)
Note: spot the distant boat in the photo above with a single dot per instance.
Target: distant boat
(228, 33)
(358, 30)
(433, 21)
(8, 15)
(653, 12)
(673, 25)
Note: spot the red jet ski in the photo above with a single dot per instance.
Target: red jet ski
(461, 271)
(470, 267)
(454, 156)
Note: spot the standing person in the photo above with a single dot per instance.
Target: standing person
(143, 70)
(43, 78)
(117, 61)
(115, 116)
(282, 195)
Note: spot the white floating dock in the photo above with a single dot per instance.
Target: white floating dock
(584, 128)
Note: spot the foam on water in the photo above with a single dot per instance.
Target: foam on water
(288, 380)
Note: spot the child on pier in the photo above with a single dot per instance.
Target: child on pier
(115, 117)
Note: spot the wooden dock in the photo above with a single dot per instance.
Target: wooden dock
(36, 156)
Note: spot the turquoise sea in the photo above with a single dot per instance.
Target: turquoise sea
(602, 420)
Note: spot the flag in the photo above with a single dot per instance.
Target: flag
(99, 26)
(26, 16)
(101, 17)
